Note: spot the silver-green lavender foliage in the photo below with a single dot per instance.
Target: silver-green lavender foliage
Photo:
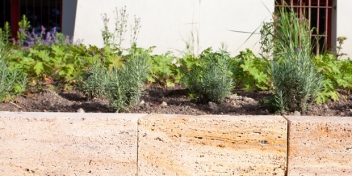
(125, 85)
(93, 82)
(211, 79)
(12, 82)
(296, 81)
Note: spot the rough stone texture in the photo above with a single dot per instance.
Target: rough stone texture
(212, 145)
(320, 146)
(68, 144)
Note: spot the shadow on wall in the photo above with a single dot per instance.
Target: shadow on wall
(69, 9)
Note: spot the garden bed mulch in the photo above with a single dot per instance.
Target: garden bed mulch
(172, 100)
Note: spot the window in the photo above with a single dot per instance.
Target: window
(319, 13)
(4, 12)
(47, 13)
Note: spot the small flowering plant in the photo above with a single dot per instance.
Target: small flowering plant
(44, 38)
(115, 38)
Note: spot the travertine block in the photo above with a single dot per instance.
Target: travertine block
(320, 146)
(212, 145)
(68, 144)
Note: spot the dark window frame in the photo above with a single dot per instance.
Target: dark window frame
(319, 14)
(13, 8)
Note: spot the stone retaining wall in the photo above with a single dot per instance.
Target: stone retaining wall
(139, 144)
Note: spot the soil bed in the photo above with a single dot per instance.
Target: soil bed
(172, 100)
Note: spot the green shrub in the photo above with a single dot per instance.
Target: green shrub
(124, 86)
(296, 82)
(93, 82)
(295, 78)
(209, 79)
(12, 82)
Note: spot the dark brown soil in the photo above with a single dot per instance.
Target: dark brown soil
(176, 99)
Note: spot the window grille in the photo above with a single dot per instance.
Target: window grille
(4, 12)
(319, 13)
(47, 13)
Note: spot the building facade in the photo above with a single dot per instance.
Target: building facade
(184, 25)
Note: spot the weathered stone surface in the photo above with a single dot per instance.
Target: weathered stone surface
(68, 144)
(212, 145)
(320, 146)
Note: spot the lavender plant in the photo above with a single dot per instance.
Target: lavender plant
(44, 38)
(94, 81)
(12, 82)
(210, 78)
(296, 81)
(124, 86)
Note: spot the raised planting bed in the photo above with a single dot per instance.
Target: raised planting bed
(160, 144)
(172, 100)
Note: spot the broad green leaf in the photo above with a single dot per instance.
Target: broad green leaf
(38, 68)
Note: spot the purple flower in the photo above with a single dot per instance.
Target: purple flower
(298, 48)
(29, 43)
(105, 18)
(21, 30)
(48, 37)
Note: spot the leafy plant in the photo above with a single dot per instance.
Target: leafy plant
(250, 72)
(209, 79)
(164, 70)
(337, 75)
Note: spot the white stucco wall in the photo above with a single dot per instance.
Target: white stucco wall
(344, 24)
(168, 24)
